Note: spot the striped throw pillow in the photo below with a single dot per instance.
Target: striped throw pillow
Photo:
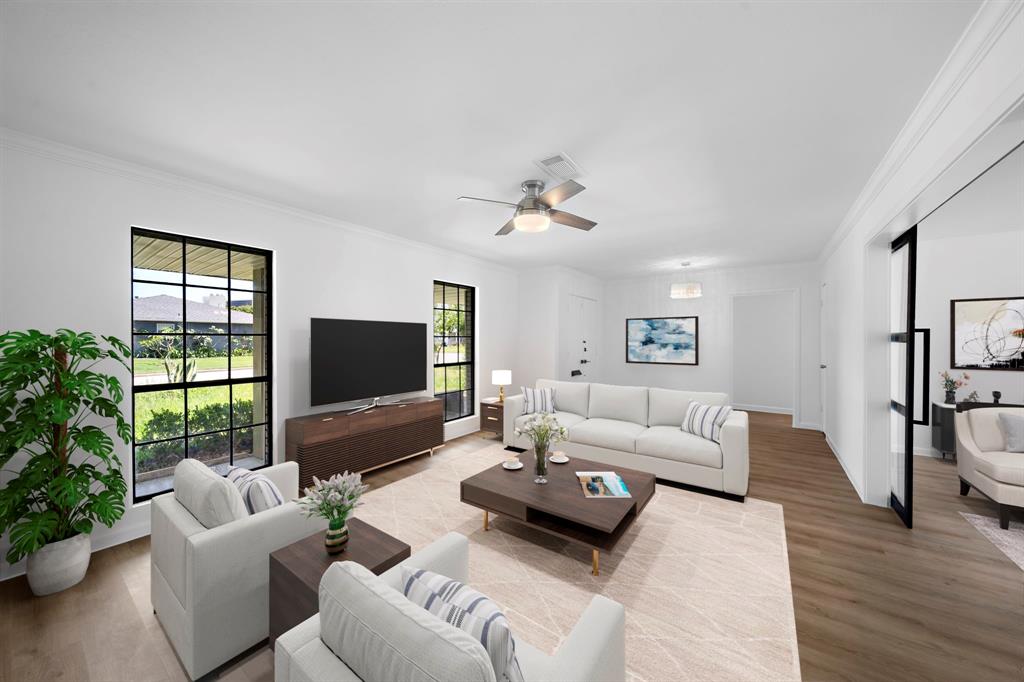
(258, 492)
(538, 400)
(706, 420)
(466, 609)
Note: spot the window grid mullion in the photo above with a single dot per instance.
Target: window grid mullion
(184, 386)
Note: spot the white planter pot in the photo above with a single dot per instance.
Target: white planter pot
(59, 565)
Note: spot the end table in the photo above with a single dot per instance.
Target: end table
(296, 570)
(492, 416)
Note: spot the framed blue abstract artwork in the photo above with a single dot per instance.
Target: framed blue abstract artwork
(662, 340)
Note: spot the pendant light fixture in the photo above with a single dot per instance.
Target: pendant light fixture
(685, 289)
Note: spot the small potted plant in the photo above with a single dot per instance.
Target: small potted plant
(334, 500)
(55, 409)
(950, 384)
(543, 430)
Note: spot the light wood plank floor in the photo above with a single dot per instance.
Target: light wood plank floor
(873, 601)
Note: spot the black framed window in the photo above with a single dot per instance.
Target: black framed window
(201, 362)
(454, 348)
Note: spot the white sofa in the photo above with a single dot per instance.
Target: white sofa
(210, 585)
(639, 428)
(391, 638)
(983, 462)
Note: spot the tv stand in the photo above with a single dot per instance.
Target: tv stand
(363, 438)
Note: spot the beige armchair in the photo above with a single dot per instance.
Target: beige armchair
(983, 462)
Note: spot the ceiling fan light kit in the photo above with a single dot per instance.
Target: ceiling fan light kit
(531, 220)
(535, 212)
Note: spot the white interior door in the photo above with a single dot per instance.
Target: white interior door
(824, 341)
(580, 358)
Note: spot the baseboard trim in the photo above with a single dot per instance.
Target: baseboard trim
(808, 426)
(762, 408)
(853, 482)
(927, 452)
(115, 536)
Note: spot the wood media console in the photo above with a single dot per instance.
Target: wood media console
(333, 442)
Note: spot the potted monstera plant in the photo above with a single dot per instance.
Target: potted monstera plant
(55, 410)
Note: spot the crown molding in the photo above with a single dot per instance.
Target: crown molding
(15, 140)
(981, 35)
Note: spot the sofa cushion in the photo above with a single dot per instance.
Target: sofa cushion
(623, 403)
(613, 434)
(985, 429)
(459, 605)
(569, 395)
(381, 635)
(258, 492)
(669, 442)
(1013, 431)
(207, 495)
(668, 407)
(1005, 467)
(706, 420)
(566, 419)
(538, 400)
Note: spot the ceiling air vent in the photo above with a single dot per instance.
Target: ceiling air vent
(560, 166)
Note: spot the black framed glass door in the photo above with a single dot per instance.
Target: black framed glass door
(902, 289)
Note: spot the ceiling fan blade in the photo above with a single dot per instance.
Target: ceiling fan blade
(488, 201)
(570, 219)
(556, 195)
(508, 227)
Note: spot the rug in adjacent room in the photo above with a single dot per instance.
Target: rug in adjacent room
(1010, 541)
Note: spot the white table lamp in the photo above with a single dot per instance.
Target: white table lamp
(501, 378)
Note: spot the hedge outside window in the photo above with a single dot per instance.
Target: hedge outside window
(201, 370)
(454, 348)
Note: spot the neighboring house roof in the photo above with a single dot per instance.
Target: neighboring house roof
(168, 309)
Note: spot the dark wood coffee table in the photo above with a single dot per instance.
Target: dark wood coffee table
(559, 508)
(295, 571)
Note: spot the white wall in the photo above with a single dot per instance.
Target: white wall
(65, 260)
(649, 297)
(981, 82)
(970, 266)
(764, 351)
(544, 300)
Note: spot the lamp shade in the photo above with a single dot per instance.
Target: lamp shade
(501, 377)
(686, 290)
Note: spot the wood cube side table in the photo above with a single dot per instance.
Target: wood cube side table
(296, 570)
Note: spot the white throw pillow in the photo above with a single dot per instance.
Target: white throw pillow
(1013, 431)
(258, 492)
(538, 400)
(206, 494)
(468, 610)
(706, 420)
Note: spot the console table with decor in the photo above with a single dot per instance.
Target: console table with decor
(362, 439)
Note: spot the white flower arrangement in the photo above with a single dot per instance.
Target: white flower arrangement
(333, 499)
(543, 430)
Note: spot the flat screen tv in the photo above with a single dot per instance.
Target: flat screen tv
(358, 359)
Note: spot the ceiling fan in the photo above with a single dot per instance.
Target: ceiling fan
(535, 212)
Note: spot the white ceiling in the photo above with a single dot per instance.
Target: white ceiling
(723, 134)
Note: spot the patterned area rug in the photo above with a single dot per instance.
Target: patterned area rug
(705, 581)
(1010, 541)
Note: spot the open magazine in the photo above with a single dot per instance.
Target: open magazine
(602, 484)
